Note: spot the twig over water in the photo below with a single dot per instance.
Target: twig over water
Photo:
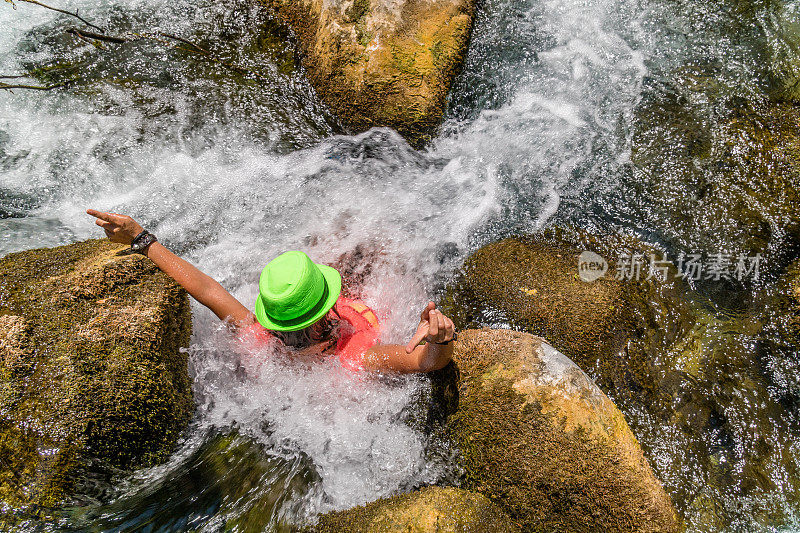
(93, 38)
(98, 28)
(83, 34)
(9, 86)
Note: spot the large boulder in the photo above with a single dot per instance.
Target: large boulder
(444, 509)
(92, 375)
(382, 62)
(538, 437)
(611, 326)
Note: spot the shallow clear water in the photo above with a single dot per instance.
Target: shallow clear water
(230, 169)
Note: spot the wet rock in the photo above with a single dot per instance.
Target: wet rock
(251, 489)
(728, 436)
(92, 374)
(542, 440)
(782, 334)
(613, 328)
(382, 62)
(428, 509)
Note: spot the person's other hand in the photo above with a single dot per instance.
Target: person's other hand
(433, 327)
(118, 228)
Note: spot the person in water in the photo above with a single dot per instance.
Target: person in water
(299, 305)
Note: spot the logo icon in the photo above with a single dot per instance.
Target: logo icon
(591, 266)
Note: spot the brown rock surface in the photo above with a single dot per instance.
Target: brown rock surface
(382, 62)
(542, 440)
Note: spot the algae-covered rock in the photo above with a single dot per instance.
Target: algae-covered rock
(692, 384)
(429, 509)
(91, 371)
(382, 62)
(542, 440)
(532, 283)
(782, 333)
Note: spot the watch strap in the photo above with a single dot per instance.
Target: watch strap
(142, 241)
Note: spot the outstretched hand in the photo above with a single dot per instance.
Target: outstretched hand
(433, 327)
(118, 228)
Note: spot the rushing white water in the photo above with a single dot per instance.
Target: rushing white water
(231, 172)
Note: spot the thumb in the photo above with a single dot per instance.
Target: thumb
(427, 311)
(422, 331)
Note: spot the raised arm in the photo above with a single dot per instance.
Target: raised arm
(203, 288)
(434, 328)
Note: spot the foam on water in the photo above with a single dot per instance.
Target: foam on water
(351, 426)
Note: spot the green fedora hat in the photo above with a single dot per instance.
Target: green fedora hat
(294, 292)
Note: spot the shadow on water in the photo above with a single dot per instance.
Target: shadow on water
(229, 482)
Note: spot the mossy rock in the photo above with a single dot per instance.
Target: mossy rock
(538, 437)
(678, 368)
(381, 62)
(91, 368)
(612, 328)
(443, 509)
(728, 436)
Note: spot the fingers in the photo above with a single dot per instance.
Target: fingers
(449, 329)
(439, 332)
(433, 327)
(105, 225)
(422, 332)
(108, 217)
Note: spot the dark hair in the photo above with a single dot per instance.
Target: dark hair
(319, 331)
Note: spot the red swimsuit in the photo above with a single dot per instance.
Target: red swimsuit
(359, 330)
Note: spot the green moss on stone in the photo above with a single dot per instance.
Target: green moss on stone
(428, 509)
(357, 11)
(540, 456)
(106, 381)
(403, 81)
(532, 283)
(727, 185)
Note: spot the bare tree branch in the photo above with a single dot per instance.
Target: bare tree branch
(70, 13)
(185, 41)
(95, 39)
(8, 87)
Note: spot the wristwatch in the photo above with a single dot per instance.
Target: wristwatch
(142, 241)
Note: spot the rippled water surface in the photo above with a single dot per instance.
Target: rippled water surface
(567, 111)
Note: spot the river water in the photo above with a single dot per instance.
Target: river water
(230, 169)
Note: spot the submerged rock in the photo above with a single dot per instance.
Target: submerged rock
(91, 371)
(428, 509)
(542, 440)
(382, 62)
(718, 177)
